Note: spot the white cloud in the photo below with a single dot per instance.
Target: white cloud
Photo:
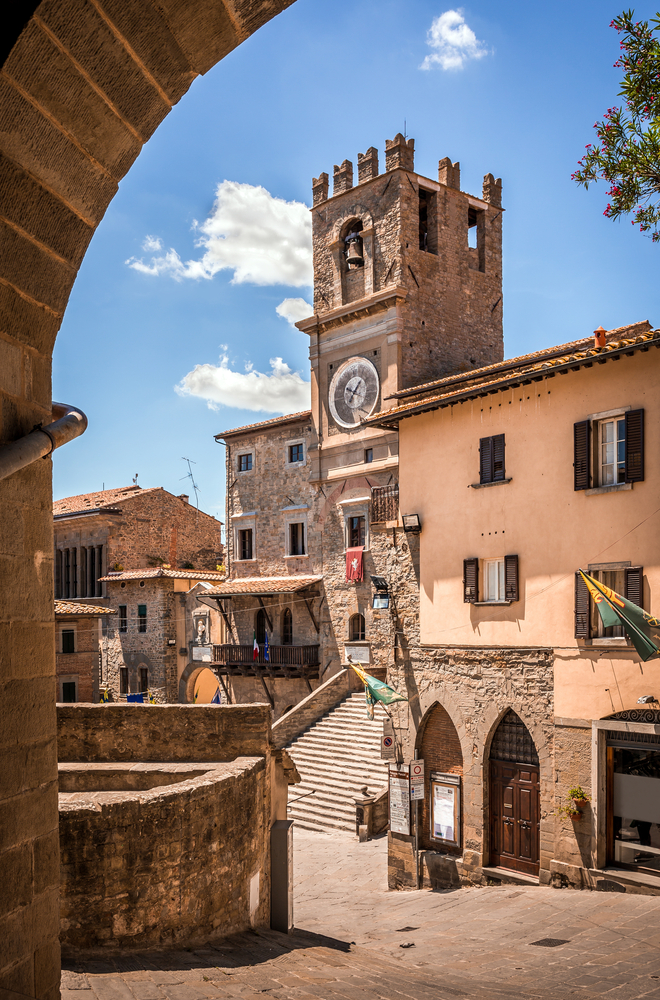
(282, 391)
(453, 42)
(293, 310)
(152, 244)
(262, 239)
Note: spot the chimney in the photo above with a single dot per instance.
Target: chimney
(599, 337)
(184, 497)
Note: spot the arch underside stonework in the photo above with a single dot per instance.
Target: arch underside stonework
(83, 87)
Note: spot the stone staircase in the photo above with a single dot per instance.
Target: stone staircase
(336, 757)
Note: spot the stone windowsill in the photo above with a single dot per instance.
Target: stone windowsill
(305, 555)
(484, 486)
(491, 604)
(615, 488)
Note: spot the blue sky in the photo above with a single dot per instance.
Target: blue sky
(320, 83)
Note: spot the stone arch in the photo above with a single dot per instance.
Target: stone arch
(439, 746)
(84, 86)
(187, 681)
(356, 212)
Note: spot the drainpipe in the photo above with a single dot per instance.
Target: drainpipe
(41, 442)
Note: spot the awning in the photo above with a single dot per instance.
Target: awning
(262, 586)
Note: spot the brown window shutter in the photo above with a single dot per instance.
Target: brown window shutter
(511, 578)
(634, 446)
(581, 435)
(498, 457)
(582, 628)
(634, 585)
(486, 460)
(470, 580)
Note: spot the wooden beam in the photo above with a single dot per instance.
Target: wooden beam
(268, 694)
(222, 611)
(308, 605)
(224, 688)
(265, 611)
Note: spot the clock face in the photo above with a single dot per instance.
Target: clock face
(353, 392)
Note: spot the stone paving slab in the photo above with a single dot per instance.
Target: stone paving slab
(465, 944)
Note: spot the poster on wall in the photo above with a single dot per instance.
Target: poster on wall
(399, 799)
(445, 808)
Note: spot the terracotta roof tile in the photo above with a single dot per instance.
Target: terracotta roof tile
(95, 501)
(483, 386)
(155, 572)
(288, 418)
(69, 608)
(262, 585)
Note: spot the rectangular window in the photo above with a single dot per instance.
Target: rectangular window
(296, 453)
(493, 580)
(68, 640)
(368, 455)
(625, 580)
(99, 571)
(142, 617)
(491, 459)
(428, 225)
(123, 618)
(245, 543)
(68, 691)
(58, 573)
(615, 579)
(612, 451)
(74, 572)
(244, 463)
(67, 572)
(144, 679)
(356, 532)
(297, 539)
(123, 680)
(446, 808)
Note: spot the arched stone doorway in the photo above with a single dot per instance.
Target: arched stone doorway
(83, 87)
(438, 745)
(514, 797)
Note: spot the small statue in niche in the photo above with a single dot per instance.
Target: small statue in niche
(201, 628)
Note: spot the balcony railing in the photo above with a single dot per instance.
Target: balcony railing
(283, 661)
(385, 503)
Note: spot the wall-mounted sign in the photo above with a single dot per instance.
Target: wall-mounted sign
(399, 799)
(387, 744)
(201, 653)
(360, 654)
(417, 780)
(446, 808)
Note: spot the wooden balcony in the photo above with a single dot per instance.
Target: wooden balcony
(283, 661)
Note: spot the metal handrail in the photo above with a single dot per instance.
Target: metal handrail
(70, 423)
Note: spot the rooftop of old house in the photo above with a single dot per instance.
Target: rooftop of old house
(289, 418)
(70, 608)
(156, 572)
(108, 501)
(527, 368)
(263, 585)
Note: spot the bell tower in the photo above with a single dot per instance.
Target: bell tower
(407, 289)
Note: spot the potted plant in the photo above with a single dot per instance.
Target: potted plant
(576, 799)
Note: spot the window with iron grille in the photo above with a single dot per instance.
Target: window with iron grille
(385, 503)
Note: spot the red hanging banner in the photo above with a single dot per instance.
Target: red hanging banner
(354, 563)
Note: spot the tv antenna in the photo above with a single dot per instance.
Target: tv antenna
(405, 129)
(135, 477)
(190, 476)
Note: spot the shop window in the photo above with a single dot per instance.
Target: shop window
(68, 640)
(245, 543)
(356, 628)
(634, 806)
(287, 628)
(142, 617)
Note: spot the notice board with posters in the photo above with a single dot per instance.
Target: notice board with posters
(399, 799)
(446, 808)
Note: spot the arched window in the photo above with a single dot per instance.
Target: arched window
(287, 627)
(440, 749)
(356, 629)
(260, 626)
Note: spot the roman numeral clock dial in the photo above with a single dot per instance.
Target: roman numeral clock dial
(353, 392)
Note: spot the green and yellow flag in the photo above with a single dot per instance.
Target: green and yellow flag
(617, 610)
(375, 690)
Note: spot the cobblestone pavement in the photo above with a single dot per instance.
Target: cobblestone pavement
(354, 940)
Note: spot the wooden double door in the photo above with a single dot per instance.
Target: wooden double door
(514, 816)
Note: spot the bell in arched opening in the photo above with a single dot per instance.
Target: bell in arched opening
(354, 255)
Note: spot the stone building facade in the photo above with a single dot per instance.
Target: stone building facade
(79, 630)
(129, 528)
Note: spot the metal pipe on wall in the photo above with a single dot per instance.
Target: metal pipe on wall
(70, 423)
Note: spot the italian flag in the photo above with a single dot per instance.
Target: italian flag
(255, 648)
